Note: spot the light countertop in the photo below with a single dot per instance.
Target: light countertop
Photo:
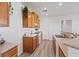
(6, 46)
(64, 43)
(31, 35)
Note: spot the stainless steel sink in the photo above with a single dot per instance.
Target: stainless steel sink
(37, 32)
(59, 36)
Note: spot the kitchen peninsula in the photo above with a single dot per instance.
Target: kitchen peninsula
(66, 47)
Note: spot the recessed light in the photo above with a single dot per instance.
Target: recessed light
(45, 8)
(60, 4)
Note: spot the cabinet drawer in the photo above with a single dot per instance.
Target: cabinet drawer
(10, 52)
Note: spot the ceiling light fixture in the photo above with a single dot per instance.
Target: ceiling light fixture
(44, 9)
(60, 4)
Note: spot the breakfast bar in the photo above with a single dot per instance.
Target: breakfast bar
(66, 47)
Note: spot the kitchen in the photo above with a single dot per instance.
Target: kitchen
(44, 22)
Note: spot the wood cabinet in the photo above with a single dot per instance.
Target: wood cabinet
(61, 54)
(37, 40)
(10, 53)
(31, 20)
(54, 46)
(4, 14)
(30, 44)
(36, 21)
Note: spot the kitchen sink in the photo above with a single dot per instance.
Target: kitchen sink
(59, 36)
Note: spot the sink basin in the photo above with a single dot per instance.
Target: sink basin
(2, 41)
(36, 32)
(59, 36)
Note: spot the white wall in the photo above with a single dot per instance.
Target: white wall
(52, 25)
(49, 26)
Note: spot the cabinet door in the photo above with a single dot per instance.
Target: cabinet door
(54, 46)
(4, 14)
(37, 21)
(34, 43)
(27, 44)
(37, 40)
(33, 19)
(29, 19)
(36, 24)
(25, 21)
(61, 54)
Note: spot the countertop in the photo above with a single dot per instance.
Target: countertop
(33, 34)
(64, 43)
(6, 46)
(74, 43)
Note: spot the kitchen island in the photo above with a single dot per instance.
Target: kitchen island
(65, 47)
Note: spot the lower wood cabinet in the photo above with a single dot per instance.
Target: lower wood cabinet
(61, 54)
(30, 44)
(54, 46)
(57, 48)
(10, 53)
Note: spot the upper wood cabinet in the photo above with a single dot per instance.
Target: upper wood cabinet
(31, 20)
(35, 20)
(4, 14)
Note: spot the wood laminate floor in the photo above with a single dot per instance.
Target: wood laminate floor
(43, 50)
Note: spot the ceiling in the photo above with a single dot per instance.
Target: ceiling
(53, 9)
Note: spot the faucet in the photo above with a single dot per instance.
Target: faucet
(31, 32)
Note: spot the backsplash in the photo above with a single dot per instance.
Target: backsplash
(29, 31)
